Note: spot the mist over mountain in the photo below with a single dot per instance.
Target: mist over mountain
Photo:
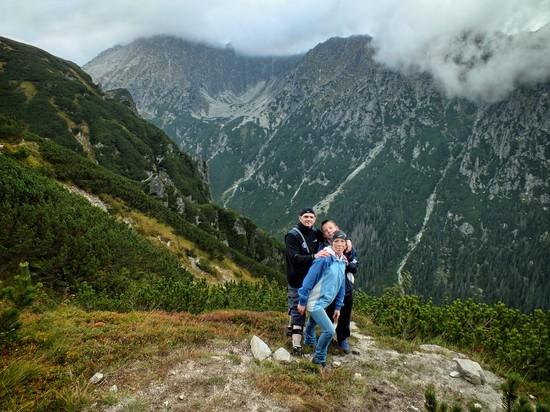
(453, 191)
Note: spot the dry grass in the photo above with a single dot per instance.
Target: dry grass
(33, 157)
(305, 388)
(60, 350)
(187, 252)
(29, 89)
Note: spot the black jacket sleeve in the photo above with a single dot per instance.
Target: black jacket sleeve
(352, 262)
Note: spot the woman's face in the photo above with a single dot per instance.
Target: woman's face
(339, 245)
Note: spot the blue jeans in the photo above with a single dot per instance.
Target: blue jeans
(295, 316)
(319, 317)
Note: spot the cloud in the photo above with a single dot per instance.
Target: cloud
(79, 29)
(480, 50)
(477, 50)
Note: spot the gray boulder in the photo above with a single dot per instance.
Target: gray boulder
(282, 355)
(471, 371)
(260, 350)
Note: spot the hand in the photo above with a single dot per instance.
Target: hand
(336, 315)
(321, 253)
(301, 309)
(349, 246)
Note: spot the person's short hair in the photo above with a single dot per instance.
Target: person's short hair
(339, 234)
(324, 222)
(307, 210)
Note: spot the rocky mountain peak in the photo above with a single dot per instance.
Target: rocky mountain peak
(190, 76)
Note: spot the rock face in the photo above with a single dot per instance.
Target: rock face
(204, 81)
(454, 192)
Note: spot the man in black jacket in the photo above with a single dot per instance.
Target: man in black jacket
(302, 245)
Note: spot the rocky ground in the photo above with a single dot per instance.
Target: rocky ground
(224, 378)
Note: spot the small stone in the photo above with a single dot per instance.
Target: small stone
(336, 364)
(113, 389)
(454, 374)
(181, 397)
(98, 377)
(282, 355)
(532, 397)
(357, 375)
(477, 406)
(165, 403)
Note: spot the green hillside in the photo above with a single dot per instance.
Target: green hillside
(68, 241)
(48, 248)
(54, 119)
(59, 101)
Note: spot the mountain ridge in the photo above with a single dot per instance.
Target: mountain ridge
(415, 177)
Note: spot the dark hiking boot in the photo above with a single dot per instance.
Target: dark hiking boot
(297, 351)
(344, 345)
(316, 361)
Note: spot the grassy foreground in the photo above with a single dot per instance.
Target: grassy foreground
(58, 350)
(49, 367)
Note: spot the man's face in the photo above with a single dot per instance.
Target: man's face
(307, 219)
(339, 245)
(328, 230)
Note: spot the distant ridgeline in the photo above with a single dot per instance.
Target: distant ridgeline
(58, 129)
(455, 193)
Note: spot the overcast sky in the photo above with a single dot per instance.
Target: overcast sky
(480, 49)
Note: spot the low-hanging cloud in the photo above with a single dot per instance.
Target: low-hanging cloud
(480, 50)
(477, 50)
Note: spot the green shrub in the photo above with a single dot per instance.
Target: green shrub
(11, 129)
(516, 340)
(183, 294)
(13, 298)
